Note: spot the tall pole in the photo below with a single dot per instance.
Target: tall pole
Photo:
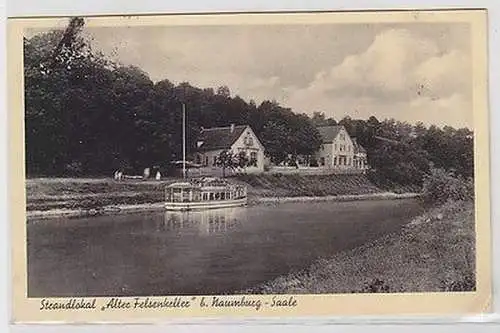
(183, 141)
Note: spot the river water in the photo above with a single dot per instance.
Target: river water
(210, 252)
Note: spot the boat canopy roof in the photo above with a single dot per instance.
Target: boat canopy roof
(202, 182)
(188, 164)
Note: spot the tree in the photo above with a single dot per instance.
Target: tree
(224, 91)
(227, 160)
(319, 119)
(64, 79)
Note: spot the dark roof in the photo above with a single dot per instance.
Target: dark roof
(220, 137)
(329, 133)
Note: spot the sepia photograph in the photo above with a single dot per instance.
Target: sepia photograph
(202, 157)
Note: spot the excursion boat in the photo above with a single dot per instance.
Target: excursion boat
(204, 193)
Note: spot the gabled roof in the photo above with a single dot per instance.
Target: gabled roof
(329, 133)
(220, 137)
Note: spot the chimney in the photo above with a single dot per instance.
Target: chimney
(232, 128)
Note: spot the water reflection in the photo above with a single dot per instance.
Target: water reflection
(205, 222)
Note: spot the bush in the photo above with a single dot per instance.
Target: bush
(441, 186)
(376, 286)
(73, 169)
(467, 283)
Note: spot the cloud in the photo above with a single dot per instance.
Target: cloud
(411, 72)
(444, 75)
(399, 75)
(384, 65)
(454, 110)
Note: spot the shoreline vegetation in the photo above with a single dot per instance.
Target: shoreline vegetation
(72, 197)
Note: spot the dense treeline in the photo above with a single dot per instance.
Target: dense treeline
(86, 115)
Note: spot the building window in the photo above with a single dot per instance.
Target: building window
(322, 161)
(206, 160)
(248, 140)
(253, 158)
(215, 161)
(335, 160)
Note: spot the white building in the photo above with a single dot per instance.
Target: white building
(235, 139)
(339, 150)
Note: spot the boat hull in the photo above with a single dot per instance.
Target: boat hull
(183, 206)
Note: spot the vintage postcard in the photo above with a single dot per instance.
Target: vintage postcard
(249, 165)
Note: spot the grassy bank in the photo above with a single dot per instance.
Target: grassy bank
(293, 185)
(46, 194)
(435, 252)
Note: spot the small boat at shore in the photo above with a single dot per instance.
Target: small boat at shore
(204, 193)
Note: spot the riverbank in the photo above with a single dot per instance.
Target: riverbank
(76, 197)
(296, 185)
(434, 252)
(122, 209)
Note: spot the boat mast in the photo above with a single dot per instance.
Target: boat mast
(183, 141)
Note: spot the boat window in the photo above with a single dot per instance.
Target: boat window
(217, 196)
(211, 196)
(223, 196)
(205, 196)
(176, 197)
(228, 195)
(186, 195)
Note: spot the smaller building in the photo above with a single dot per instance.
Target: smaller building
(236, 139)
(360, 158)
(339, 150)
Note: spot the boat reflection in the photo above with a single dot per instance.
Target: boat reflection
(204, 222)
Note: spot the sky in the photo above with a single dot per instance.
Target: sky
(410, 71)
